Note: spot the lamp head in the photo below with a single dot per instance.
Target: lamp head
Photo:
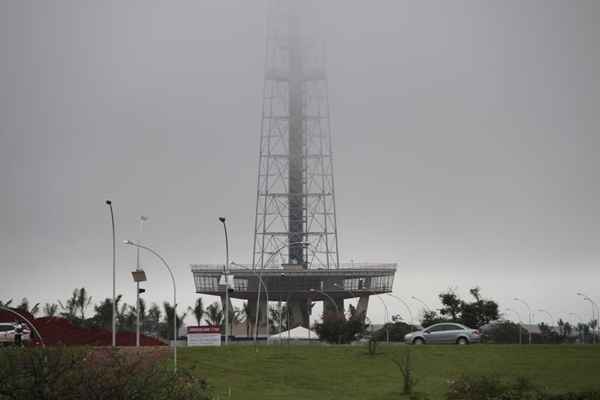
(127, 242)
(143, 218)
(222, 219)
(108, 202)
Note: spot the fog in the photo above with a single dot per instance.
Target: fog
(465, 137)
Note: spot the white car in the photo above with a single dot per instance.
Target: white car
(7, 334)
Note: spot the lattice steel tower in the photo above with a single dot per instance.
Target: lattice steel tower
(295, 230)
(295, 208)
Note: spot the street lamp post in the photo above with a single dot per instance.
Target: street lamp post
(305, 244)
(222, 219)
(529, 309)
(137, 284)
(337, 309)
(387, 319)
(387, 330)
(258, 275)
(404, 303)
(427, 308)
(579, 318)
(114, 284)
(552, 320)
(594, 305)
(138, 245)
(520, 327)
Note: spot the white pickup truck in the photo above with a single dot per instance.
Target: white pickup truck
(7, 334)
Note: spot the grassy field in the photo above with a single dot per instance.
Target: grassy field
(348, 372)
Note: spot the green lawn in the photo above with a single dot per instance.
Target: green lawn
(348, 372)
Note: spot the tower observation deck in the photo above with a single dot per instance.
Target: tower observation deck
(295, 237)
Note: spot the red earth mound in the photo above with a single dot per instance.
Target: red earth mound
(59, 331)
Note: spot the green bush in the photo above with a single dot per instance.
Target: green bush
(95, 374)
(336, 329)
(493, 388)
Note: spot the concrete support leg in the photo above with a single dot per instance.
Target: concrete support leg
(262, 317)
(298, 313)
(362, 306)
(250, 316)
(329, 309)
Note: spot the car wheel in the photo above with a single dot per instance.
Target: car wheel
(418, 341)
(462, 341)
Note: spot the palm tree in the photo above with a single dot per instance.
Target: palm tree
(103, 312)
(169, 313)
(24, 306)
(154, 315)
(197, 310)
(50, 309)
(214, 315)
(83, 301)
(248, 316)
(6, 303)
(69, 308)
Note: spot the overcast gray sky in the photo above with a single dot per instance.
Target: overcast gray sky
(466, 141)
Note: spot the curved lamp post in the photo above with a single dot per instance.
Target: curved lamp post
(114, 268)
(222, 219)
(387, 328)
(552, 320)
(337, 309)
(578, 318)
(404, 303)
(305, 244)
(258, 275)
(594, 305)
(130, 243)
(137, 284)
(27, 321)
(529, 309)
(387, 318)
(520, 327)
(427, 308)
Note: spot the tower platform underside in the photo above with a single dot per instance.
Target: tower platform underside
(298, 288)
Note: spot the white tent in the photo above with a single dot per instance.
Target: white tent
(298, 333)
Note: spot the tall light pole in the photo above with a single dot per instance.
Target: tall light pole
(114, 280)
(529, 309)
(581, 333)
(140, 246)
(387, 328)
(222, 219)
(337, 309)
(426, 307)
(404, 303)
(387, 319)
(594, 305)
(137, 283)
(304, 244)
(520, 322)
(258, 275)
(552, 320)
